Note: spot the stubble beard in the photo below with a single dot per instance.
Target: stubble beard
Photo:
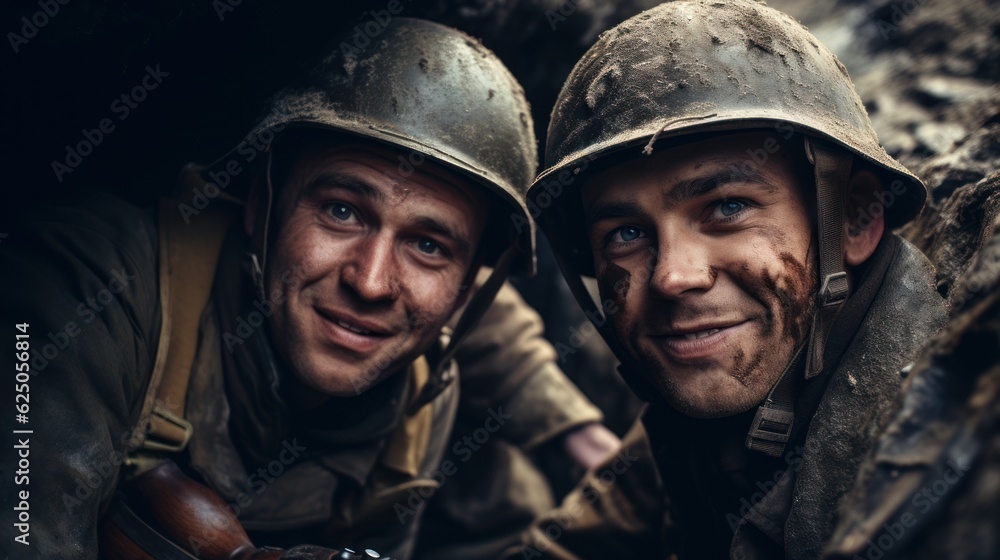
(787, 302)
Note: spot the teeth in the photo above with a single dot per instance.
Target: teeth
(352, 328)
(700, 334)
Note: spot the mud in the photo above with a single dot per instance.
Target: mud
(614, 282)
(743, 370)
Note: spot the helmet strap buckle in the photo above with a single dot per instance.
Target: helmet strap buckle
(772, 425)
(832, 167)
(834, 290)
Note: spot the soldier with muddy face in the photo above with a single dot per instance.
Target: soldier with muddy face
(711, 165)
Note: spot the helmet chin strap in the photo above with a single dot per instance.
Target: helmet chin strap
(832, 171)
(442, 374)
(772, 425)
(261, 224)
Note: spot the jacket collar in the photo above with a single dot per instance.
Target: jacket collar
(905, 313)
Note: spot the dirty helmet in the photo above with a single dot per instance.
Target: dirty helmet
(688, 68)
(432, 93)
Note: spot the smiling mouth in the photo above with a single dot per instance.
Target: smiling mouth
(687, 345)
(352, 328)
(700, 334)
(355, 335)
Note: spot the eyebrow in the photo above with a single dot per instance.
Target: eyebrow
(329, 179)
(613, 210)
(683, 191)
(463, 246)
(700, 186)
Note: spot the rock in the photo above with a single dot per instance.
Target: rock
(959, 220)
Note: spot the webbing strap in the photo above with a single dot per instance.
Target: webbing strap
(832, 172)
(772, 425)
(261, 229)
(189, 247)
(442, 376)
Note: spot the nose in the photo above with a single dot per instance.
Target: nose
(373, 273)
(680, 265)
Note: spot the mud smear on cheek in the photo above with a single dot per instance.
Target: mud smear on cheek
(797, 297)
(614, 282)
(757, 285)
(787, 298)
(743, 368)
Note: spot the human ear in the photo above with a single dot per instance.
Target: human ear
(864, 217)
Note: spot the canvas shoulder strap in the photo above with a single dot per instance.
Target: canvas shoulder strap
(190, 240)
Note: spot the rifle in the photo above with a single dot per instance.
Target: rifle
(165, 515)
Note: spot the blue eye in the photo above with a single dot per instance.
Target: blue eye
(731, 207)
(428, 246)
(627, 233)
(340, 212)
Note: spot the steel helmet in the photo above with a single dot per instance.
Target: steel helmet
(695, 66)
(429, 90)
(706, 66)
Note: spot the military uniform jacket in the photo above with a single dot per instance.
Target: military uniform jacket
(624, 506)
(86, 283)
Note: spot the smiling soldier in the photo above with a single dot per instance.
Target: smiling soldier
(298, 354)
(714, 169)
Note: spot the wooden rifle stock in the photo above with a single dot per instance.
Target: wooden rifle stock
(189, 515)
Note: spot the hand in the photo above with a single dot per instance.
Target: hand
(589, 444)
